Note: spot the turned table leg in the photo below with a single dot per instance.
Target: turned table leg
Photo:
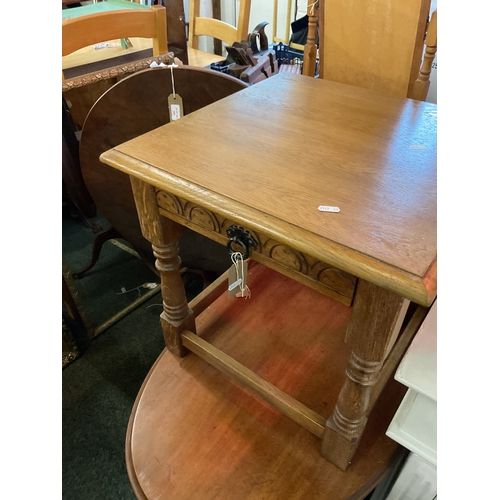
(164, 234)
(375, 322)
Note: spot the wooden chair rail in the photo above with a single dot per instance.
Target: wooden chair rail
(224, 31)
(289, 406)
(420, 87)
(100, 27)
(310, 49)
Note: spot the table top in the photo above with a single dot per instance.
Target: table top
(268, 156)
(88, 55)
(100, 7)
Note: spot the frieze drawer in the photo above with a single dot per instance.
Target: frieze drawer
(303, 268)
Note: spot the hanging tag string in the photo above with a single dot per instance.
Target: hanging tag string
(236, 258)
(172, 66)
(314, 5)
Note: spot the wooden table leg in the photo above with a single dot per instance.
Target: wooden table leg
(375, 323)
(164, 234)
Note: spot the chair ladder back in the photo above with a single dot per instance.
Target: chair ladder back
(275, 37)
(88, 30)
(243, 20)
(215, 28)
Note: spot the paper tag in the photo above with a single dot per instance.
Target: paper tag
(175, 108)
(235, 284)
(237, 279)
(326, 208)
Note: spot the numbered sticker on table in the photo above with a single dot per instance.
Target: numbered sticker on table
(327, 208)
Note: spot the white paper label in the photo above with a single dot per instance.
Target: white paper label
(326, 208)
(175, 109)
(235, 284)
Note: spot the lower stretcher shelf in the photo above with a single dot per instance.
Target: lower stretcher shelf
(194, 433)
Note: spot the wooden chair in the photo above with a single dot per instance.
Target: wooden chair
(310, 49)
(88, 30)
(81, 92)
(420, 86)
(219, 30)
(378, 48)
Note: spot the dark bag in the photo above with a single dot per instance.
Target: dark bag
(299, 31)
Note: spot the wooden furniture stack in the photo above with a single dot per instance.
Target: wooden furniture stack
(270, 396)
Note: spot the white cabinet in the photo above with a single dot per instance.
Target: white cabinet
(416, 481)
(414, 425)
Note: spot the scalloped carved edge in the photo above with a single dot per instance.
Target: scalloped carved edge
(120, 71)
(318, 275)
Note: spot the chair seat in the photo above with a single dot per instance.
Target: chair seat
(196, 434)
(202, 59)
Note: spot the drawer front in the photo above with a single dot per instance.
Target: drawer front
(313, 273)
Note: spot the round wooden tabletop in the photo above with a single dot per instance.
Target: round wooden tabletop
(134, 106)
(196, 434)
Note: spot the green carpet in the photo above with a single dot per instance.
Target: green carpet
(100, 386)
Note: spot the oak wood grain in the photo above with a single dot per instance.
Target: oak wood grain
(373, 44)
(372, 155)
(330, 281)
(164, 234)
(375, 323)
(396, 354)
(289, 406)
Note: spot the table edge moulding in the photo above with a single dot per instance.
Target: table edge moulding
(418, 287)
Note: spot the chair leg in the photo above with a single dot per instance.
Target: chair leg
(100, 238)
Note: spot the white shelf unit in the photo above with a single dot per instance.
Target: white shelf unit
(414, 425)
